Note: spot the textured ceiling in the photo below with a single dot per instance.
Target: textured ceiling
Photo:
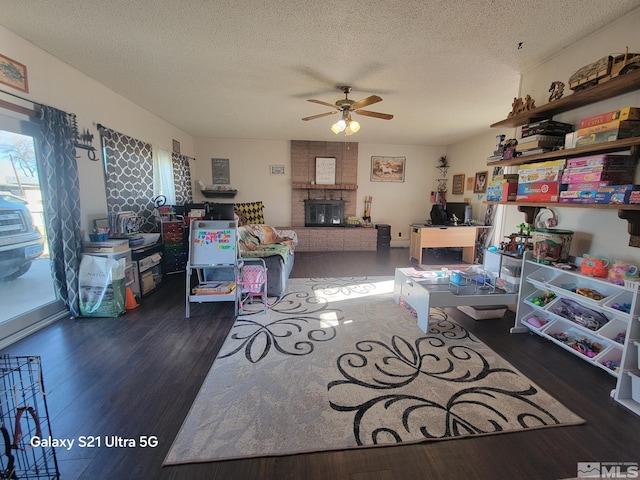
(244, 69)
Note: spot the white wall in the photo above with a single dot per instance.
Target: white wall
(55, 83)
(250, 173)
(396, 204)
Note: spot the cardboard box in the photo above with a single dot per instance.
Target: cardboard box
(579, 194)
(544, 174)
(613, 176)
(585, 185)
(607, 136)
(602, 159)
(577, 200)
(609, 126)
(502, 193)
(600, 168)
(538, 192)
(627, 113)
(616, 194)
(551, 163)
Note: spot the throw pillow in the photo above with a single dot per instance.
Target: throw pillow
(250, 212)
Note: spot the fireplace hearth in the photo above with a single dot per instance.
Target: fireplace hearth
(324, 213)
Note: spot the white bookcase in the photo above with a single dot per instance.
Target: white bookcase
(615, 337)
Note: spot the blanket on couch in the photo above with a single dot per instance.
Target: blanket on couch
(258, 240)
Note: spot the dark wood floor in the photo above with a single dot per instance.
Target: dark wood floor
(139, 374)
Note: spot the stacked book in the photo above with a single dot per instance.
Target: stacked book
(598, 179)
(214, 288)
(546, 127)
(540, 182)
(107, 246)
(539, 143)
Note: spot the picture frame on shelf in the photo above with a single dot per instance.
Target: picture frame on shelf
(457, 187)
(13, 74)
(480, 183)
(277, 169)
(388, 169)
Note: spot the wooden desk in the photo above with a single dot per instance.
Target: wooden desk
(423, 236)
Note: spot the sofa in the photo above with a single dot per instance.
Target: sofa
(276, 247)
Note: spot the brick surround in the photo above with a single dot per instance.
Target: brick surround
(303, 171)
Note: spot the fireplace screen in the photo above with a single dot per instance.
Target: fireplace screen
(324, 213)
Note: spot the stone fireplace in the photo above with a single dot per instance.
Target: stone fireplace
(303, 177)
(324, 213)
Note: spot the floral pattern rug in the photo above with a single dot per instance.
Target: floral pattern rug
(336, 364)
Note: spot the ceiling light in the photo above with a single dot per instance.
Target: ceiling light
(345, 124)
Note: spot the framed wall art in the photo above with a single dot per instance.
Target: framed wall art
(13, 74)
(277, 169)
(325, 170)
(457, 187)
(480, 184)
(387, 169)
(176, 146)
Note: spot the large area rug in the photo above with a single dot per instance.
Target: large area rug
(336, 364)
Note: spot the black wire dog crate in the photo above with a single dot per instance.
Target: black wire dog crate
(24, 421)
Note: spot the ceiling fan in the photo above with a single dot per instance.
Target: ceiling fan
(347, 106)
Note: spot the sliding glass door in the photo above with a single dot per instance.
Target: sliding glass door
(27, 295)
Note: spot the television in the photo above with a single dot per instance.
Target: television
(219, 211)
(458, 209)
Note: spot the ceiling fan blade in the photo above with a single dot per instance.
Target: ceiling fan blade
(367, 113)
(320, 102)
(366, 101)
(313, 117)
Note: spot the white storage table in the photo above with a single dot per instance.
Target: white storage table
(424, 293)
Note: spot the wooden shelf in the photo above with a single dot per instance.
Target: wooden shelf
(630, 213)
(315, 186)
(616, 86)
(605, 147)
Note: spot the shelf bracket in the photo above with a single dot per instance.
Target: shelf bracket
(530, 213)
(633, 227)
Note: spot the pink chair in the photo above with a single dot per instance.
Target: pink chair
(252, 282)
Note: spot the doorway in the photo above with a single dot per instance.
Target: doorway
(26, 285)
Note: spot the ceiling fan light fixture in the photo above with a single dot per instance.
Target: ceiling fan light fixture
(354, 126)
(339, 126)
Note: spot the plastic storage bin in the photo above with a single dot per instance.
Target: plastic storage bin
(569, 283)
(635, 385)
(541, 277)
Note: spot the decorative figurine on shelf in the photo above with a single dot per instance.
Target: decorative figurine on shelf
(499, 144)
(519, 105)
(509, 148)
(443, 161)
(557, 90)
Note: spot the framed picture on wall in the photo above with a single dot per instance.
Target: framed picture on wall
(13, 74)
(480, 184)
(458, 184)
(277, 169)
(387, 169)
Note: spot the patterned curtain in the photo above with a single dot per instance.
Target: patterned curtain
(60, 187)
(182, 179)
(129, 166)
